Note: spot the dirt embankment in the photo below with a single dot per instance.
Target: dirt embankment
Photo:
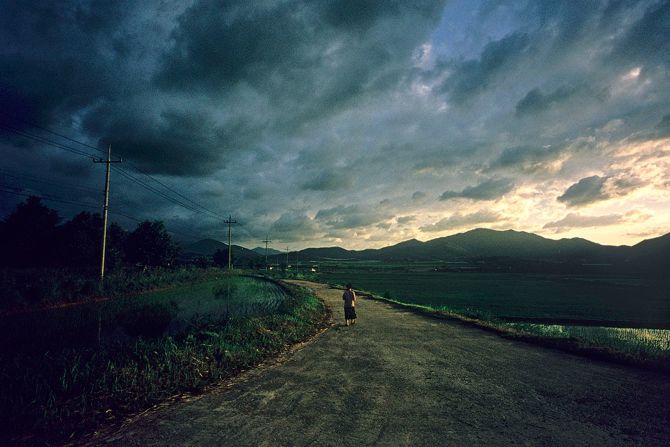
(397, 378)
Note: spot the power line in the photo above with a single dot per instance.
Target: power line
(49, 198)
(13, 190)
(123, 172)
(142, 183)
(37, 126)
(200, 208)
(63, 136)
(176, 192)
(51, 182)
(46, 141)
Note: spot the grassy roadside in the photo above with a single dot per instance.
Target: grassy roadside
(644, 348)
(26, 290)
(62, 394)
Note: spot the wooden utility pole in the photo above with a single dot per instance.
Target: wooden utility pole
(105, 207)
(266, 240)
(230, 221)
(287, 258)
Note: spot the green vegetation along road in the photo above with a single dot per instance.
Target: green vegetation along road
(397, 378)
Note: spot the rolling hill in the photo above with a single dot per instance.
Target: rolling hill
(491, 243)
(478, 243)
(502, 247)
(512, 247)
(261, 251)
(207, 247)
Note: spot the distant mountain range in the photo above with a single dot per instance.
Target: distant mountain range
(496, 247)
(261, 251)
(207, 248)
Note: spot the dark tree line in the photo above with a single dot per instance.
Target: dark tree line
(33, 236)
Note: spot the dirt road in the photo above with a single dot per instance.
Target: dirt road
(401, 379)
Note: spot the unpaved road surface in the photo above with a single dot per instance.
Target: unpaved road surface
(401, 379)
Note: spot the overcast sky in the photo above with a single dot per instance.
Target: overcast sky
(357, 123)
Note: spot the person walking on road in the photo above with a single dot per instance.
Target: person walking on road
(349, 298)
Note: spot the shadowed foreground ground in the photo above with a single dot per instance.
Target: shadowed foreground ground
(397, 378)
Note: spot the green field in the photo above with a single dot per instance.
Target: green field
(59, 381)
(625, 301)
(151, 314)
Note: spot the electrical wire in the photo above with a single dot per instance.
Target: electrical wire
(152, 189)
(177, 193)
(194, 206)
(15, 191)
(46, 141)
(29, 178)
(49, 198)
(136, 167)
(58, 134)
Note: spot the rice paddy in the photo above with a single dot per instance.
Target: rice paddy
(645, 343)
(65, 370)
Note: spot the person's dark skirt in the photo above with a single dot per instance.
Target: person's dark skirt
(349, 313)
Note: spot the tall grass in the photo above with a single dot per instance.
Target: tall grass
(59, 393)
(35, 288)
(148, 314)
(652, 344)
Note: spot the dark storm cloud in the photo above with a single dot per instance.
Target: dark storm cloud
(647, 40)
(526, 158)
(294, 226)
(51, 57)
(289, 50)
(78, 168)
(474, 76)
(487, 190)
(560, 35)
(634, 32)
(88, 58)
(536, 102)
(585, 191)
(595, 189)
(418, 195)
(663, 127)
(219, 44)
(98, 59)
(329, 181)
(445, 156)
(352, 216)
(175, 142)
(360, 14)
(253, 107)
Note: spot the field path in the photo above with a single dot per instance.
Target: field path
(401, 379)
